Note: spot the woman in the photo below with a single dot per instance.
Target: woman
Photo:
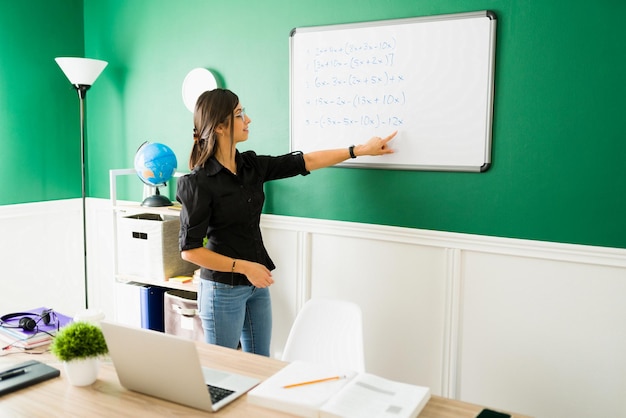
(222, 199)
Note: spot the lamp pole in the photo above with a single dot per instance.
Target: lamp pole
(81, 89)
(82, 73)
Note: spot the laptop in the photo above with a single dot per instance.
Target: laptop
(167, 367)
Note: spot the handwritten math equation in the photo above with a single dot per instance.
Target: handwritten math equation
(374, 120)
(353, 84)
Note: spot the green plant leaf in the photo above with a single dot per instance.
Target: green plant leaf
(79, 340)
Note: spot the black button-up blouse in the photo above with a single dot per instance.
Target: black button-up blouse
(226, 208)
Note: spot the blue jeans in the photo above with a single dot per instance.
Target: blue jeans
(231, 314)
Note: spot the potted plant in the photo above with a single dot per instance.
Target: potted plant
(79, 346)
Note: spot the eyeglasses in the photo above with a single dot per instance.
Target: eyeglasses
(242, 114)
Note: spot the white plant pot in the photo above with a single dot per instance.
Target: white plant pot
(82, 372)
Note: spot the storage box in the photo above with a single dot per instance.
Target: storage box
(181, 314)
(148, 247)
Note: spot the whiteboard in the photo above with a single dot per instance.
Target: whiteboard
(430, 78)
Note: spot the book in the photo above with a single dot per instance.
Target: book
(317, 391)
(27, 343)
(368, 395)
(14, 335)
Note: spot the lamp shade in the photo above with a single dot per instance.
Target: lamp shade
(81, 71)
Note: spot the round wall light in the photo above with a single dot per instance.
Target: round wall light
(197, 82)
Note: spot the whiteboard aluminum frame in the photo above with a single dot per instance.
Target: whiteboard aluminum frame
(490, 93)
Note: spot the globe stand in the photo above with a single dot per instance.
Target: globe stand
(156, 200)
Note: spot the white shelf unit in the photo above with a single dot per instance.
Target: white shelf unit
(126, 208)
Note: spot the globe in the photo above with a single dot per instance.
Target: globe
(155, 164)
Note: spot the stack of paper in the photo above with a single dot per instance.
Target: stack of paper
(311, 390)
(15, 336)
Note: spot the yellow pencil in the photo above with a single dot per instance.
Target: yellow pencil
(310, 382)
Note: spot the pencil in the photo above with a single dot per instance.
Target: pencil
(311, 382)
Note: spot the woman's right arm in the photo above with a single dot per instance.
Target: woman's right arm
(327, 158)
(256, 273)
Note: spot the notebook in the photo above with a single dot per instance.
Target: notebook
(25, 374)
(319, 391)
(167, 367)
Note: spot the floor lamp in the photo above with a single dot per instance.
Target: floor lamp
(82, 73)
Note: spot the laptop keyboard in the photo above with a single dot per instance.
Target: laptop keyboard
(217, 393)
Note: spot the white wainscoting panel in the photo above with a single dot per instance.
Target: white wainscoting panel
(100, 254)
(283, 247)
(41, 247)
(543, 337)
(401, 289)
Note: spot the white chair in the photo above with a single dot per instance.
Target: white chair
(327, 332)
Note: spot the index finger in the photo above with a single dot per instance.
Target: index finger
(390, 137)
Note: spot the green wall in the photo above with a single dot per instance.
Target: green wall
(559, 149)
(39, 124)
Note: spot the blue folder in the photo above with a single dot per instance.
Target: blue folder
(152, 312)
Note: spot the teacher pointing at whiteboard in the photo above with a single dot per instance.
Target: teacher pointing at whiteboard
(222, 199)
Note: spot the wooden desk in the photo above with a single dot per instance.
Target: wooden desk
(107, 398)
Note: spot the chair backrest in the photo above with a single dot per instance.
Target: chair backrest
(328, 332)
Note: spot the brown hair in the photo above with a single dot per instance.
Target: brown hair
(212, 108)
